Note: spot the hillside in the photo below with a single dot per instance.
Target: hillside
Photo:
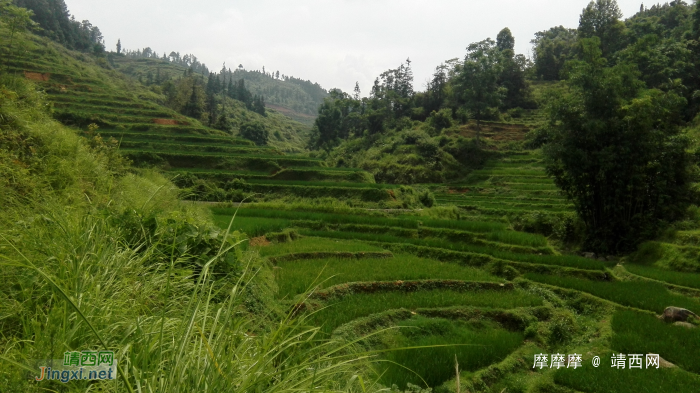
(295, 98)
(85, 89)
(430, 241)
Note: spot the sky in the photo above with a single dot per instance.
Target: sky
(333, 42)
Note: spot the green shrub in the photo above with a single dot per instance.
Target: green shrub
(255, 131)
(441, 120)
(426, 198)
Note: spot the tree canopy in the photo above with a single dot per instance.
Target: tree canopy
(59, 25)
(616, 151)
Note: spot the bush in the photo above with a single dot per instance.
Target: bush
(255, 131)
(427, 198)
(441, 120)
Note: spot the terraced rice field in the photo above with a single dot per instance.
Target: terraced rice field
(84, 92)
(427, 292)
(515, 183)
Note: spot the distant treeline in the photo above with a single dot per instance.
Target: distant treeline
(188, 60)
(662, 42)
(58, 24)
(298, 94)
(490, 80)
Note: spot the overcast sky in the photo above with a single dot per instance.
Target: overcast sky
(332, 42)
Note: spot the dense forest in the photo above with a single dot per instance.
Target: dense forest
(627, 88)
(57, 23)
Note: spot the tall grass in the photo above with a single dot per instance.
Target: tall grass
(170, 333)
(474, 345)
(94, 261)
(650, 296)
(356, 306)
(299, 276)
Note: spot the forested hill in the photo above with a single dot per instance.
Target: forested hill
(300, 95)
(294, 97)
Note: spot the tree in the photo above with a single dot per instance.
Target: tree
(601, 18)
(255, 131)
(57, 24)
(195, 105)
(258, 105)
(17, 20)
(324, 134)
(435, 93)
(356, 91)
(552, 49)
(616, 151)
(512, 76)
(119, 46)
(505, 40)
(696, 22)
(477, 82)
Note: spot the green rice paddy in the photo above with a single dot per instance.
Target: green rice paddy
(642, 333)
(650, 296)
(606, 379)
(299, 276)
(309, 244)
(567, 261)
(360, 305)
(474, 344)
(691, 280)
(489, 197)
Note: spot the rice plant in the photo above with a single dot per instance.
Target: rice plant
(324, 217)
(691, 280)
(253, 226)
(564, 260)
(297, 277)
(315, 244)
(644, 295)
(360, 305)
(635, 332)
(473, 345)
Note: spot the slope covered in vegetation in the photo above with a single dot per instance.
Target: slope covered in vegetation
(439, 239)
(294, 97)
(98, 256)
